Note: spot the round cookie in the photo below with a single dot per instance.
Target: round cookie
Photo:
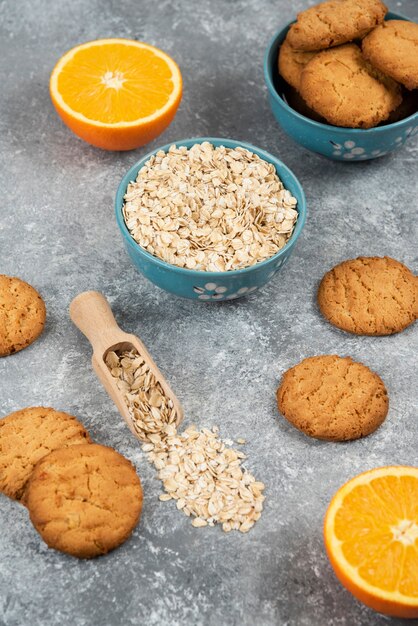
(26, 436)
(392, 47)
(291, 63)
(22, 315)
(346, 90)
(333, 398)
(84, 500)
(369, 296)
(335, 22)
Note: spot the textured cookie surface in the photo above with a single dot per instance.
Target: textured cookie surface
(22, 314)
(346, 90)
(84, 500)
(291, 63)
(335, 22)
(369, 296)
(393, 48)
(333, 398)
(28, 435)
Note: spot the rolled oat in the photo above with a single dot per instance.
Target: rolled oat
(148, 406)
(198, 470)
(209, 209)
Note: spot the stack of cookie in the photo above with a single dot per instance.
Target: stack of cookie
(83, 498)
(347, 66)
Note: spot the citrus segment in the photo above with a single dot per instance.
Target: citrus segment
(116, 93)
(371, 536)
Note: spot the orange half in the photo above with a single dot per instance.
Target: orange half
(116, 94)
(371, 537)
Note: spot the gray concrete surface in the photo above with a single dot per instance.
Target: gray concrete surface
(58, 232)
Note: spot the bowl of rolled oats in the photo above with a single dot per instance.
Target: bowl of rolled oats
(210, 219)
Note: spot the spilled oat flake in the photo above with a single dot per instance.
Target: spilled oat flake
(198, 470)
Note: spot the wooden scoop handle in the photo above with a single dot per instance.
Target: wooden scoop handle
(91, 313)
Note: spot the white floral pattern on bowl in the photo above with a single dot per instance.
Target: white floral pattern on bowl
(216, 291)
(213, 291)
(349, 150)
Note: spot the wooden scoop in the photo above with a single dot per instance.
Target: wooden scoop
(91, 313)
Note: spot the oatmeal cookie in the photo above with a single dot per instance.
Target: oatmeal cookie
(84, 500)
(291, 63)
(346, 90)
(28, 435)
(333, 398)
(392, 47)
(335, 22)
(369, 296)
(22, 314)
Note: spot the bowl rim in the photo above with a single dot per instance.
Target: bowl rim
(268, 77)
(132, 172)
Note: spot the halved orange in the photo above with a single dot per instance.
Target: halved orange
(371, 537)
(116, 94)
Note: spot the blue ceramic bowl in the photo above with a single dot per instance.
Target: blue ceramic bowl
(210, 286)
(336, 143)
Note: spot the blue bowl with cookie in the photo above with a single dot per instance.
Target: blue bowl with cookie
(344, 99)
(183, 229)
